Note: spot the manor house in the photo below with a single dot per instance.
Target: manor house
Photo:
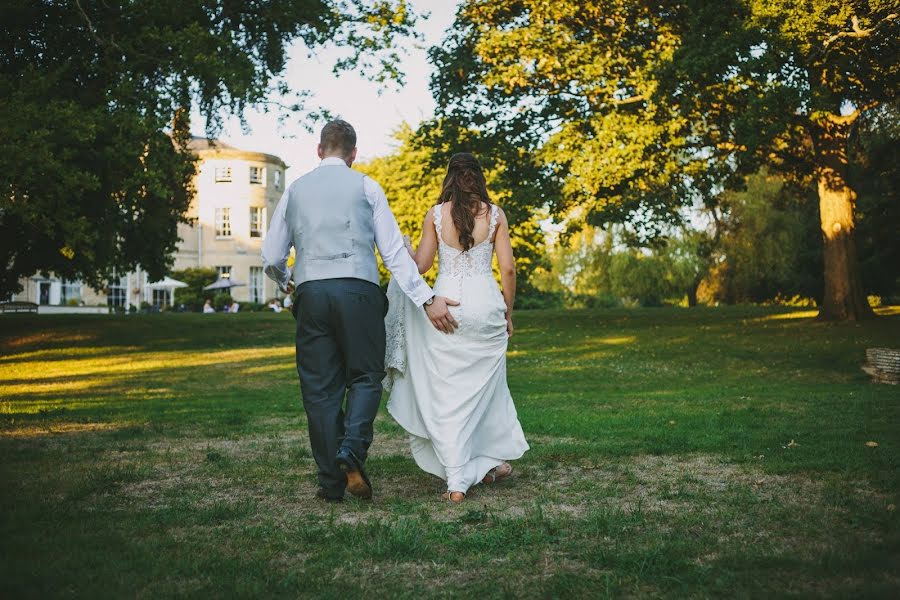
(236, 191)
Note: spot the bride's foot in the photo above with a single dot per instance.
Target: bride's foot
(455, 497)
(501, 471)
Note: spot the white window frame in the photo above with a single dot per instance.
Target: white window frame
(261, 222)
(224, 271)
(260, 179)
(222, 174)
(115, 285)
(257, 289)
(64, 285)
(223, 222)
(277, 177)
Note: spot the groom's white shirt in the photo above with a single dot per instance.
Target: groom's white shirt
(388, 240)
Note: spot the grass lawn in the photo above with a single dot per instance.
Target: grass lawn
(680, 453)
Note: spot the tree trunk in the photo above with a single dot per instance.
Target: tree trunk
(844, 296)
(692, 294)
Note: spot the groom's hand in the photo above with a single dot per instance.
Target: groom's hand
(440, 315)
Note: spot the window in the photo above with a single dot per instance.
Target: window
(257, 221)
(161, 298)
(223, 222)
(223, 174)
(257, 175)
(70, 290)
(277, 177)
(117, 294)
(224, 272)
(256, 284)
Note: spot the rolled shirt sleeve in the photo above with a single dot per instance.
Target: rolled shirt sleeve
(389, 242)
(277, 245)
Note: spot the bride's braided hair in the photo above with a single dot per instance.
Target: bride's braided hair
(466, 187)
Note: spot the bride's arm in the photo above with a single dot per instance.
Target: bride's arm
(507, 263)
(424, 254)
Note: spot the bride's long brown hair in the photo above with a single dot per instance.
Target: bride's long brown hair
(465, 186)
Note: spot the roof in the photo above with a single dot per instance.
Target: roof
(207, 148)
(201, 143)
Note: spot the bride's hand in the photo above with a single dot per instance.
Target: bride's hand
(509, 326)
(407, 243)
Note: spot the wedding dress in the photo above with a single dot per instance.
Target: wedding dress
(449, 391)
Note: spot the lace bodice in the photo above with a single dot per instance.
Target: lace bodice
(474, 262)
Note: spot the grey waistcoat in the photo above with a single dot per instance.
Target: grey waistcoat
(332, 225)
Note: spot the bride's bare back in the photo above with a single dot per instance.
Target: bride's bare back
(450, 235)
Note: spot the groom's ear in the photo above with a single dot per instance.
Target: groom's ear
(319, 151)
(352, 156)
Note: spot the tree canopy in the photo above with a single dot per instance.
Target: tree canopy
(635, 109)
(94, 102)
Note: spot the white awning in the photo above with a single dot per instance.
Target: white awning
(167, 283)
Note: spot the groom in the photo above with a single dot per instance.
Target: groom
(334, 217)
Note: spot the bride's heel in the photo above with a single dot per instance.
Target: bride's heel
(499, 472)
(455, 497)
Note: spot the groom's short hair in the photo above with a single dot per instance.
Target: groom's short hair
(338, 136)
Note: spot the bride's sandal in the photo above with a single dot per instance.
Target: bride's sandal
(455, 497)
(499, 472)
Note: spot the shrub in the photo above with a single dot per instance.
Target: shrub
(221, 300)
(194, 295)
(535, 299)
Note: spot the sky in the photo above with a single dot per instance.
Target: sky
(374, 115)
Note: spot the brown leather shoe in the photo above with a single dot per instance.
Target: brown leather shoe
(358, 483)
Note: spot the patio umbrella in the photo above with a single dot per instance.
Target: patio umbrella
(226, 283)
(167, 283)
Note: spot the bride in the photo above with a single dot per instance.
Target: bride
(449, 391)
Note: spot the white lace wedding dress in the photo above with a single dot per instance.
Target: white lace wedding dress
(449, 391)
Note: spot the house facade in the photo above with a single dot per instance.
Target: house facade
(236, 193)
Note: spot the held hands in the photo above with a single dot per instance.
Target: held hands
(407, 243)
(440, 315)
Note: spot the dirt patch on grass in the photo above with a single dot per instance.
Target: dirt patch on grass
(277, 474)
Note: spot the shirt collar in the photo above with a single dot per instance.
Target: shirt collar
(330, 161)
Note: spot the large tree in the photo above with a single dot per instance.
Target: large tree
(94, 98)
(639, 107)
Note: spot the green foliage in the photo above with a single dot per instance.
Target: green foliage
(411, 183)
(631, 109)
(876, 177)
(594, 268)
(570, 85)
(194, 296)
(94, 168)
(763, 252)
(412, 176)
(221, 300)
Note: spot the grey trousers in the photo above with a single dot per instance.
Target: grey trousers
(340, 351)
